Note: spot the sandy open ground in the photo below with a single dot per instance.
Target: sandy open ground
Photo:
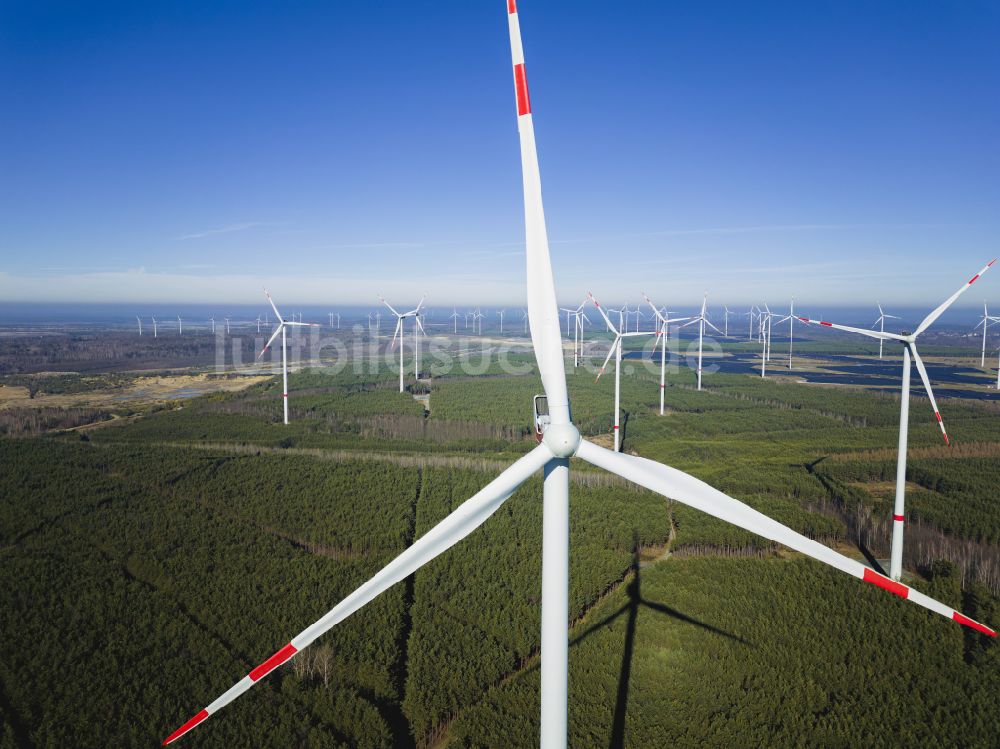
(142, 390)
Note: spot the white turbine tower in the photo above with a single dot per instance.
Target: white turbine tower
(702, 321)
(725, 314)
(282, 326)
(791, 330)
(560, 441)
(454, 319)
(501, 313)
(227, 325)
(180, 325)
(400, 331)
(664, 319)
(765, 354)
(909, 341)
(258, 324)
(212, 321)
(616, 351)
(139, 320)
(882, 317)
(154, 327)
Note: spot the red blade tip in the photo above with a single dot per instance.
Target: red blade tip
(964, 620)
(186, 727)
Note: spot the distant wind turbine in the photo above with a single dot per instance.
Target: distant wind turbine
(663, 316)
(616, 350)
(882, 317)
(282, 326)
(398, 335)
(702, 321)
(909, 341)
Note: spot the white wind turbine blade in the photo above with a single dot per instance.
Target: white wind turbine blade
(393, 309)
(695, 493)
(617, 342)
(543, 312)
(929, 320)
(276, 313)
(659, 315)
(930, 393)
(604, 314)
(464, 520)
(275, 334)
(396, 335)
(420, 325)
(849, 329)
(709, 324)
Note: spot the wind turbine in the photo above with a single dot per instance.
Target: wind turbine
(702, 321)
(664, 319)
(154, 327)
(985, 323)
(501, 312)
(909, 341)
(790, 318)
(725, 315)
(882, 317)
(139, 320)
(282, 325)
(577, 316)
(560, 440)
(454, 319)
(524, 319)
(180, 325)
(227, 325)
(212, 320)
(616, 350)
(258, 324)
(398, 335)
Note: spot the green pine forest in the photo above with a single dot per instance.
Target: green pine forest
(148, 564)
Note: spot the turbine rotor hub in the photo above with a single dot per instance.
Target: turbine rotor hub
(562, 439)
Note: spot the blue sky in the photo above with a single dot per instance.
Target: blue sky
(189, 152)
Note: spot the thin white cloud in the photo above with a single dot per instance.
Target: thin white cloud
(222, 230)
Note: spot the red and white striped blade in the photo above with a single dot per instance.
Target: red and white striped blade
(466, 518)
(278, 314)
(270, 340)
(604, 314)
(930, 393)
(617, 342)
(543, 312)
(659, 315)
(929, 320)
(695, 493)
(861, 331)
